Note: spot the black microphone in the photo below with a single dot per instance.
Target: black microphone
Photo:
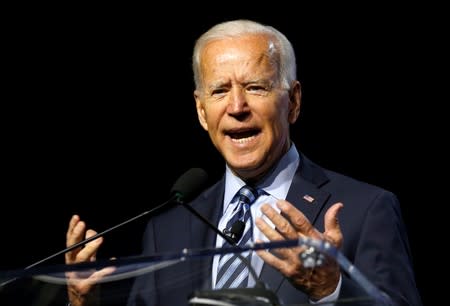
(236, 231)
(258, 295)
(187, 186)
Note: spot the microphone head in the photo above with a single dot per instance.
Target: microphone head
(190, 184)
(236, 231)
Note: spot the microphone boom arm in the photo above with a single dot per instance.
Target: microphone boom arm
(220, 233)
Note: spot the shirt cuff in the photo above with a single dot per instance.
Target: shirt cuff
(333, 296)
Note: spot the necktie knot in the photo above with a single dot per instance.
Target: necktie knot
(247, 194)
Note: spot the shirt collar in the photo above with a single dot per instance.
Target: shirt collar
(276, 184)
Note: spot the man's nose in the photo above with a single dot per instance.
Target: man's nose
(238, 101)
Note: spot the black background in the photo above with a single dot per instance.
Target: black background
(99, 117)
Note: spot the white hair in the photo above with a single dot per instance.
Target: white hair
(280, 49)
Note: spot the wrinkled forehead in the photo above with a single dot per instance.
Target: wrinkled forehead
(223, 49)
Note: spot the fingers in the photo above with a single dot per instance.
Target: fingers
(90, 249)
(297, 220)
(99, 275)
(283, 228)
(73, 221)
(332, 228)
(283, 259)
(270, 258)
(292, 223)
(76, 233)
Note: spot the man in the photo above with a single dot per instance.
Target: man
(247, 96)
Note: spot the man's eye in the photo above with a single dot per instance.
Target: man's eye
(257, 88)
(218, 91)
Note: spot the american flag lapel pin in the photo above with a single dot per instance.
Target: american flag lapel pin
(308, 198)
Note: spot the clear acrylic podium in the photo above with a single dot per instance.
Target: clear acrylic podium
(187, 274)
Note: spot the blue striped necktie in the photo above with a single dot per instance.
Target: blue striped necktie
(232, 271)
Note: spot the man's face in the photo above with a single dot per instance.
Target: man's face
(242, 105)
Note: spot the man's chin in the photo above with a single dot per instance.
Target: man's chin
(246, 171)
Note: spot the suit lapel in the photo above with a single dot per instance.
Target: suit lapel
(306, 196)
(209, 205)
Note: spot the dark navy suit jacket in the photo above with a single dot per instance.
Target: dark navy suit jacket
(375, 241)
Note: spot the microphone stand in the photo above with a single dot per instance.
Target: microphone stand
(87, 240)
(187, 185)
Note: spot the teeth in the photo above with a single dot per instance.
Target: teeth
(242, 140)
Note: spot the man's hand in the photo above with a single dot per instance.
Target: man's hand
(318, 282)
(81, 287)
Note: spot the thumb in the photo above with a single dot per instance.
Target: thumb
(333, 231)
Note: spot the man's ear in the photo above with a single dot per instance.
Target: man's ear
(200, 110)
(295, 98)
